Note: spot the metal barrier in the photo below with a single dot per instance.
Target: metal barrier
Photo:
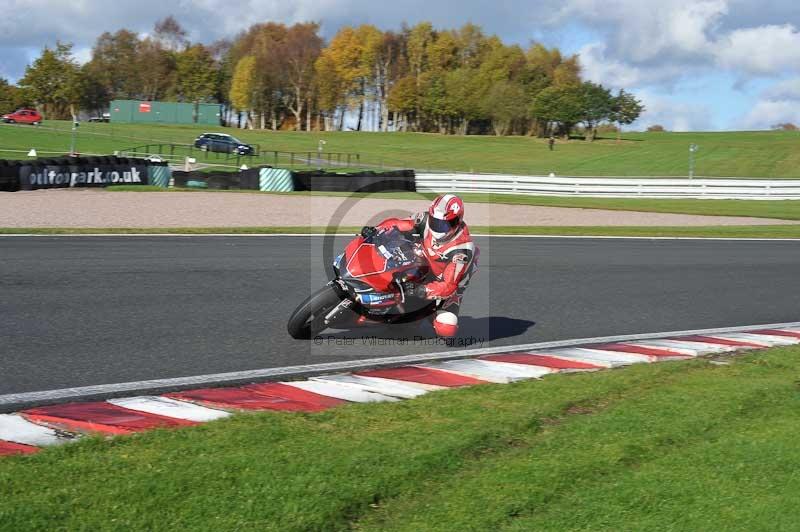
(178, 152)
(611, 187)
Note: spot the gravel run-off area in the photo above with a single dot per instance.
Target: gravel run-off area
(104, 209)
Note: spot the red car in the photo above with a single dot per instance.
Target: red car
(23, 116)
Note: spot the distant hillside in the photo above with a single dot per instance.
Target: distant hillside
(727, 154)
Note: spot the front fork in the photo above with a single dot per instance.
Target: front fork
(345, 304)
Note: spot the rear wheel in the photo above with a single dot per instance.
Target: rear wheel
(308, 318)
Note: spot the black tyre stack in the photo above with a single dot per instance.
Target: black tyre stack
(9, 176)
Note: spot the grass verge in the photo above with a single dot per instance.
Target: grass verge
(722, 231)
(677, 445)
(779, 209)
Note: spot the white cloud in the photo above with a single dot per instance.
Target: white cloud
(767, 50)
(690, 46)
(776, 105)
(601, 67)
(767, 113)
(674, 116)
(649, 32)
(652, 42)
(788, 89)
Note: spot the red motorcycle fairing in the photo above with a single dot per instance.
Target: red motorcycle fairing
(371, 267)
(366, 263)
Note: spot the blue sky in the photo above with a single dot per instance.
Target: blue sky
(697, 64)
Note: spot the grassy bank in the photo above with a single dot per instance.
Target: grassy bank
(678, 445)
(726, 154)
(731, 231)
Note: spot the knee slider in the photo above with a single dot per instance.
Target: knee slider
(445, 324)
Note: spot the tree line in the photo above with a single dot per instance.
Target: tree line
(277, 76)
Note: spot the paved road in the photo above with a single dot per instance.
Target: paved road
(77, 311)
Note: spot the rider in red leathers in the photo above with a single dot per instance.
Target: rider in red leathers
(452, 255)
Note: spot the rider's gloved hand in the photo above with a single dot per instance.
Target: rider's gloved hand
(415, 290)
(368, 231)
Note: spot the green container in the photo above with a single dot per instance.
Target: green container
(127, 111)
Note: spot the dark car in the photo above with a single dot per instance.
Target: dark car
(23, 116)
(105, 117)
(222, 143)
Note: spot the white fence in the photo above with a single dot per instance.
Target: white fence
(612, 187)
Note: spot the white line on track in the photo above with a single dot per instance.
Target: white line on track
(290, 372)
(261, 235)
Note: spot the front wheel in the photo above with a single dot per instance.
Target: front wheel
(308, 318)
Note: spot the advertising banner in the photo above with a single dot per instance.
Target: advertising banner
(86, 175)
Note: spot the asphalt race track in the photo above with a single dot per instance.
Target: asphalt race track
(77, 311)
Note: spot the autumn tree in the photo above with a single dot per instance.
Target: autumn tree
(273, 92)
(92, 94)
(341, 64)
(625, 110)
(508, 106)
(53, 81)
(499, 87)
(402, 101)
(421, 78)
(170, 35)
(243, 95)
(433, 102)
(465, 93)
(389, 66)
(11, 97)
(6, 96)
(443, 52)
(559, 108)
(596, 106)
(329, 88)
(195, 76)
(301, 50)
(156, 68)
(418, 41)
(115, 65)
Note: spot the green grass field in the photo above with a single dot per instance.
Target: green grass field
(772, 154)
(688, 445)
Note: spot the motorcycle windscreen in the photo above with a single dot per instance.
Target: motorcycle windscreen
(365, 261)
(376, 263)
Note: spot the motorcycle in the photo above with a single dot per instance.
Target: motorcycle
(369, 279)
